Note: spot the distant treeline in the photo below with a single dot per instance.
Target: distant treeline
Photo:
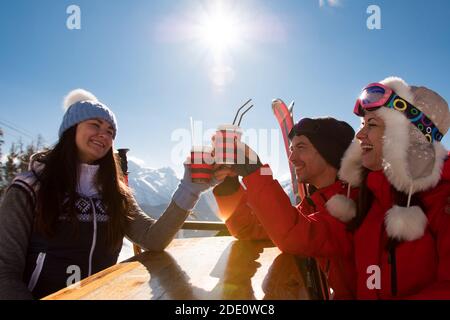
(17, 159)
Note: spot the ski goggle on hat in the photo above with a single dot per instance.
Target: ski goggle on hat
(376, 95)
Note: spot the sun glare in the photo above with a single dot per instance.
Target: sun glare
(220, 34)
(218, 30)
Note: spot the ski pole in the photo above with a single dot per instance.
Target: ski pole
(124, 166)
(124, 163)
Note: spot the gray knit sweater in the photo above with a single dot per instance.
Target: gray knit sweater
(16, 227)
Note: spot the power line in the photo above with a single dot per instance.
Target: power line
(17, 126)
(16, 130)
(8, 133)
(23, 132)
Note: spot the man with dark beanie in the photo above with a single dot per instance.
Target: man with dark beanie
(329, 136)
(263, 210)
(317, 149)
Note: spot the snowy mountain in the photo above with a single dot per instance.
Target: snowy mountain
(153, 189)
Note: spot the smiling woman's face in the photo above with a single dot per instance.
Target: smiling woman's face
(94, 138)
(370, 137)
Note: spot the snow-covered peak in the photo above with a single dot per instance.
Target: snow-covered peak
(152, 187)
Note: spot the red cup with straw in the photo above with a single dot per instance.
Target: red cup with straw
(225, 144)
(227, 137)
(201, 164)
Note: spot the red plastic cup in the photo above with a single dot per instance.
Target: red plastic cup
(225, 144)
(201, 164)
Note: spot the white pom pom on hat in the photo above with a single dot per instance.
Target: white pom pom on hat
(82, 105)
(78, 95)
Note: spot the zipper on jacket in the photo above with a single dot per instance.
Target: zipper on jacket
(37, 271)
(94, 236)
(311, 203)
(393, 262)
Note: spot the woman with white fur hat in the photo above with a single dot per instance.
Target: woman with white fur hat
(401, 229)
(72, 209)
(397, 233)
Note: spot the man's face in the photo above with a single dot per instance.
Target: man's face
(308, 162)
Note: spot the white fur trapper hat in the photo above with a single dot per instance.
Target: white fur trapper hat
(410, 162)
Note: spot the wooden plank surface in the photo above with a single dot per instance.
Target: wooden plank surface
(197, 268)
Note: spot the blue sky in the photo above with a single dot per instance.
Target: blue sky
(140, 58)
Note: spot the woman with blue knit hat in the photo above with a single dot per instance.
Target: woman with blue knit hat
(72, 209)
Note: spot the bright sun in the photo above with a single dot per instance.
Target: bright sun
(222, 28)
(218, 30)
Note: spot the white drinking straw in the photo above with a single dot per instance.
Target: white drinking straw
(192, 132)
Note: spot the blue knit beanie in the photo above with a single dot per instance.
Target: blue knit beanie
(82, 105)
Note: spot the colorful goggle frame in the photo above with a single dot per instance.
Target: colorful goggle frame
(414, 115)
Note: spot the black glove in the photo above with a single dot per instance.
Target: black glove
(244, 170)
(251, 163)
(228, 186)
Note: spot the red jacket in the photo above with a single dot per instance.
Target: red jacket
(265, 211)
(422, 266)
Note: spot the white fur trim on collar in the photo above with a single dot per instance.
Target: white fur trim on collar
(351, 165)
(341, 207)
(405, 224)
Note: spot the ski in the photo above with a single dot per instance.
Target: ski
(315, 279)
(285, 120)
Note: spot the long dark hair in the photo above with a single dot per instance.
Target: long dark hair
(365, 200)
(58, 182)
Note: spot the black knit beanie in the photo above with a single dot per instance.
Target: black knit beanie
(329, 136)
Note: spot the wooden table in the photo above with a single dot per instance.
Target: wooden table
(197, 268)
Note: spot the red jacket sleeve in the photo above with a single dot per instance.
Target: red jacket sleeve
(440, 225)
(238, 216)
(317, 235)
